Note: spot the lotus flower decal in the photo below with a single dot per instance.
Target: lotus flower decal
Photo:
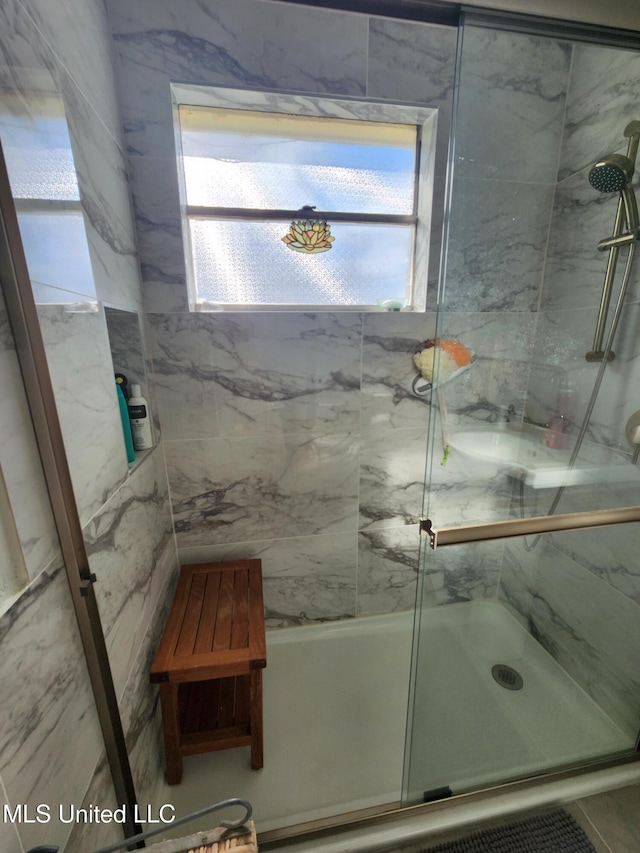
(310, 236)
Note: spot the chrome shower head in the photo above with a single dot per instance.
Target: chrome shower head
(611, 174)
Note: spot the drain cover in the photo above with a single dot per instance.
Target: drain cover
(507, 676)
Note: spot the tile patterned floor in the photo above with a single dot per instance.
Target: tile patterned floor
(611, 820)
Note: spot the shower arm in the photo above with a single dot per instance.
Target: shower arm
(632, 130)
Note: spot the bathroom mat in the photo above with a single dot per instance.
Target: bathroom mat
(547, 833)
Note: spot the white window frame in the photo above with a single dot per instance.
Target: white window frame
(424, 118)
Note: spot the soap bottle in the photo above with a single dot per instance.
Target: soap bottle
(140, 422)
(126, 424)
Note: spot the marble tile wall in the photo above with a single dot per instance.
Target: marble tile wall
(582, 621)
(288, 435)
(578, 592)
(50, 739)
(56, 57)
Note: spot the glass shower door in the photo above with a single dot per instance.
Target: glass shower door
(543, 676)
(524, 655)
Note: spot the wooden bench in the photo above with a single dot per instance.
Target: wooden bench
(209, 663)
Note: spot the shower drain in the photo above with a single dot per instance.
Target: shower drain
(507, 676)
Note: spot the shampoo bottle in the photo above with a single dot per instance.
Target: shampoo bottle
(139, 416)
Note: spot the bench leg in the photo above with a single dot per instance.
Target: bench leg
(171, 731)
(255, 712)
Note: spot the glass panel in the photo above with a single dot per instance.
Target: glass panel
(276, 162)
(239, 262)
(530, 427)
(57, 255)
(529, 669)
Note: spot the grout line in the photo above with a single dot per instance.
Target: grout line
(596, 832)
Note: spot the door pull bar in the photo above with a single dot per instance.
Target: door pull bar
(443, 536)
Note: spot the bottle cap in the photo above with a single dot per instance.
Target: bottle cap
(135, 391)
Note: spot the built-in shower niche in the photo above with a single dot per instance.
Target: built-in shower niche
(127, 353)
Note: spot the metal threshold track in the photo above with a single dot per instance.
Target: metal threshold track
(389, 828)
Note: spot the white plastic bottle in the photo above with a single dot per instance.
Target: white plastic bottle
(139, 416)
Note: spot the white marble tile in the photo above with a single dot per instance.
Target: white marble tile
(126, 543)
(511, 105)
(20, 462)
(230, 490)
(126, 344)
(564, 337)
(27, 60)
(248, 44)
(602, 100)
(387, 569)
(50, 739)
(154, 189)
(139, 705)
(460, 573)
(498, 239)
(106, 204)
(609, 553)
(580, 620)
(160, 297)
(392, 477)
(9, 839)
(464, 490)
(575, 269)
(81, 371)
(389, 343)
(256, 374)
(80, 37)
(305, 578)
(92, 836)
(503, 344)
(411, 61)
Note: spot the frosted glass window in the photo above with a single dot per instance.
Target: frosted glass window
(259, 160)
(37, 150)
(246, 174)
(245, 263)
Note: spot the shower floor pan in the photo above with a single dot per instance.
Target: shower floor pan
(470, 732)
(335, 704)
(521, 451)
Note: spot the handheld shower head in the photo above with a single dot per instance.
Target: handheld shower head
(613, 174)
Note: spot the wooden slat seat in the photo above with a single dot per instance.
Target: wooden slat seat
(209, 663)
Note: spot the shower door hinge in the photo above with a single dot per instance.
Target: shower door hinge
(85, 584)
(426, 526)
